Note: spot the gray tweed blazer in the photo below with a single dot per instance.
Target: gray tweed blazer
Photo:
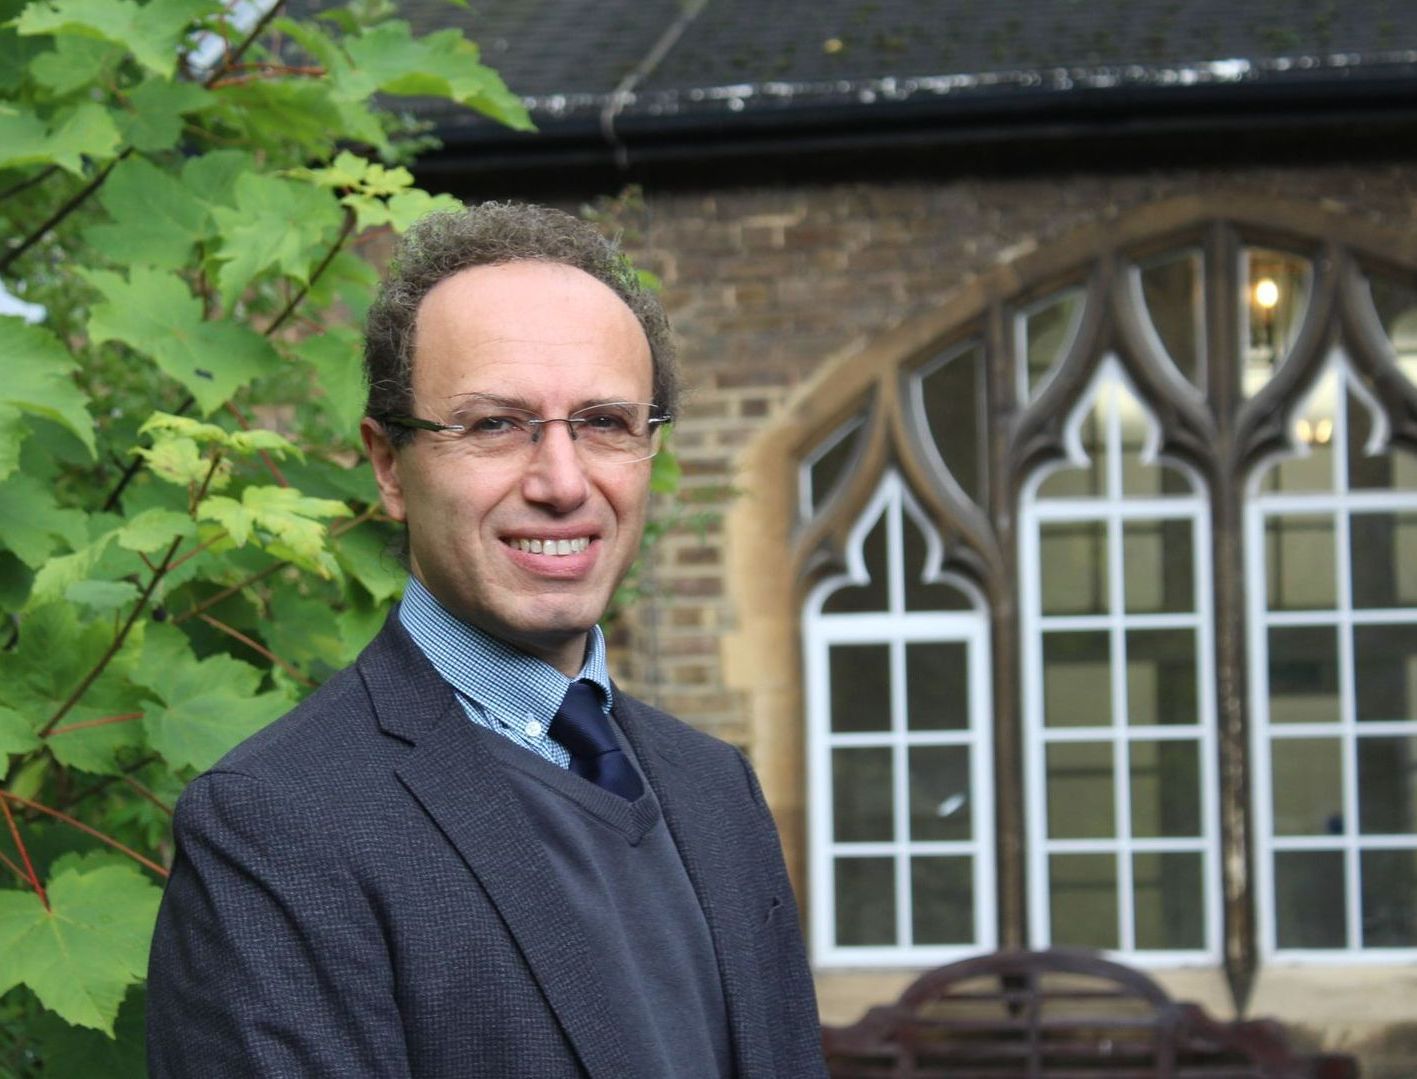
(357, 892)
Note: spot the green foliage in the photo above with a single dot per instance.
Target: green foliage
(186, 543)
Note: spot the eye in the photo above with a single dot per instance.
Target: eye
(486, 423)
(608, 419)
(493, 425)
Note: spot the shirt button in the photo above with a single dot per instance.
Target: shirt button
(533, 729)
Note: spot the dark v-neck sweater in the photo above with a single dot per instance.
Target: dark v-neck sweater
(630, 895)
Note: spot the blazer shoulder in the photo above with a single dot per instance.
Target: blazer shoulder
(318, 724)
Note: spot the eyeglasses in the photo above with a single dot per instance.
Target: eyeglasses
(617, 432)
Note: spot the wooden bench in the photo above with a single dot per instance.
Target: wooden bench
(1060, 1014)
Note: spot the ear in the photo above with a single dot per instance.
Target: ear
(384, 458)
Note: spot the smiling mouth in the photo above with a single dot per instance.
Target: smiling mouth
(551, 546)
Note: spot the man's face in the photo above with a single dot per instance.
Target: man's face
(553, 340)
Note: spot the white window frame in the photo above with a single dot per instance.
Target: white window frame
(1113, 508)
(896, 626)
(1340, 503)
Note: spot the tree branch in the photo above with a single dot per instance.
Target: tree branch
(122, 635)
(74, 202)
(345, 230)
(147, 863)
(105, 721)
(24, 185)
(30, 874)
(148, 795)
(234, 56)
(258, 647)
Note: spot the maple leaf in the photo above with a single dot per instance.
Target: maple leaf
(153, 312)
(156, 219)
(150, 31)
(276, 223)
(206, 706)
(38, 379)
(80, 956)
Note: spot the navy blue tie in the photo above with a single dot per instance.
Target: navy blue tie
(582, 728)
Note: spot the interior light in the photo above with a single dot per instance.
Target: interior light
(1266, 293)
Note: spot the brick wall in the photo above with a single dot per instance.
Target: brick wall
(763, 285)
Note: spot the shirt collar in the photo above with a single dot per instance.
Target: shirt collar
(490, 672)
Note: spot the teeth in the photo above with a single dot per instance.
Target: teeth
(552, 546)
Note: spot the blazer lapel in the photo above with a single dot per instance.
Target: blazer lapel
(460, 785)
(688, 799)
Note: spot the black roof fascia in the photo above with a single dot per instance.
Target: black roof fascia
(1316, 115)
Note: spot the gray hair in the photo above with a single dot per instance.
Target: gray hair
(491, 233)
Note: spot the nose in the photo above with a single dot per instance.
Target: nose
(555, 476)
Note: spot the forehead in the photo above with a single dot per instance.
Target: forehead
(527, 326)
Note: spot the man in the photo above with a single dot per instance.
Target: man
(471, 854)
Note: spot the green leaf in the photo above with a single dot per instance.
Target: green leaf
(258, 439)
(215, 173)
(276, 224)
(38, 379)
(13, 431)
(339, 376)
(364, 553)
(153, 530)
(207, 706)
(153, 313)
(158, 108)
(155, 218)
(230, 515)
(443, 64)
(56, 575)
(83, 131)
(17, 733)
(293, 518)
(177, 460)
(73, 62)
(80, 956)
(102, 597)
(78, 1053)
(150, 32)
(32, 524)
(23, 140)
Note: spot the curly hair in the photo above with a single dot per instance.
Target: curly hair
(488, 234)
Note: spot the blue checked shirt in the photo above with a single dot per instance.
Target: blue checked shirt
(500, 687)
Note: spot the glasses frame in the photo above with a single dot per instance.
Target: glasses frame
(572, 422)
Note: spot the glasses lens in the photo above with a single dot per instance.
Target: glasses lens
(617, 431)
(620, 429)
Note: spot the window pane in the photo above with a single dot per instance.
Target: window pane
(865, 901)
(921, 595)
(951, 395)
(942, 900)
(1158, 565)
(1307, 781)
(1077, 680)
(861, 795)
(940, 798)
(1169, 900)
(1083, 900)
(1074, 567)
(1389, 898)
(1045, 332)
(1080, 784)
(871, 596)
(1385, 670)
(1384, 560)
(826, 465)
(1387, 785)
(1312, 431)
(860, 687)
(1303, 674)
(1276, 294)
(937, 685)
(1365, 471)
(1161, 677)
(1165, 789)
(1090, 480)
(1299, 562)
(1310, 911)
(1396, 303)
(1172, 290)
